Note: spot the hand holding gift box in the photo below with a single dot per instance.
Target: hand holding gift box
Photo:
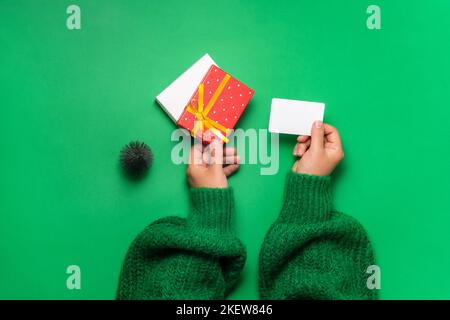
(215, 106)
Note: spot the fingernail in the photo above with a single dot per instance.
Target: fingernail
(318, 124)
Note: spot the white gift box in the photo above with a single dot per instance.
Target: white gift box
(176, 96)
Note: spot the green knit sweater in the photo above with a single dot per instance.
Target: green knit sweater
(310, 252)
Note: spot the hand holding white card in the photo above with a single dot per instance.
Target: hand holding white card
(294, 116)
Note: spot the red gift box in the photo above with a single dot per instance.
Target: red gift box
(216, 106)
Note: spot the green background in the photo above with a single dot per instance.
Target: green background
(70, 100)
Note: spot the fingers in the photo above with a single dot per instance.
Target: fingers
(301, 148)
(230, 169)
(303, 144)
(232, 160)
(302, 139)
(230, 156)
(228, 151)
(213, 154)
(196, 154)
(317, 136)
(216, 153)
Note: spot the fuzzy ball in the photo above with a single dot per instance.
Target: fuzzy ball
(136, 158)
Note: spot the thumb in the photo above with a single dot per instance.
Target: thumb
(216, 154)
(317, 135)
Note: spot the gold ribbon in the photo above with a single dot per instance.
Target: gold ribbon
(201, 112)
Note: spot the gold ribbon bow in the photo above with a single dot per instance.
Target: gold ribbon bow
(201, 112)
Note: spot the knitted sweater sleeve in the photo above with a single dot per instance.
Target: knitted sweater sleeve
(194, 258)
(312, 251)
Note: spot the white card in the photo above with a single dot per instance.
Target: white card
(294, 116)
(175, 97)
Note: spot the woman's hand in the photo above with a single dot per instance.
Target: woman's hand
(209, 166)
(320, 153)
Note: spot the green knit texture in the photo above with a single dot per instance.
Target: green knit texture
(193, 258)
(310, 252)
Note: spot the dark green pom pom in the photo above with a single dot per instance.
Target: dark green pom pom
(136, 158)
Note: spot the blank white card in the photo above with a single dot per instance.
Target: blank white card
(294, 116)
